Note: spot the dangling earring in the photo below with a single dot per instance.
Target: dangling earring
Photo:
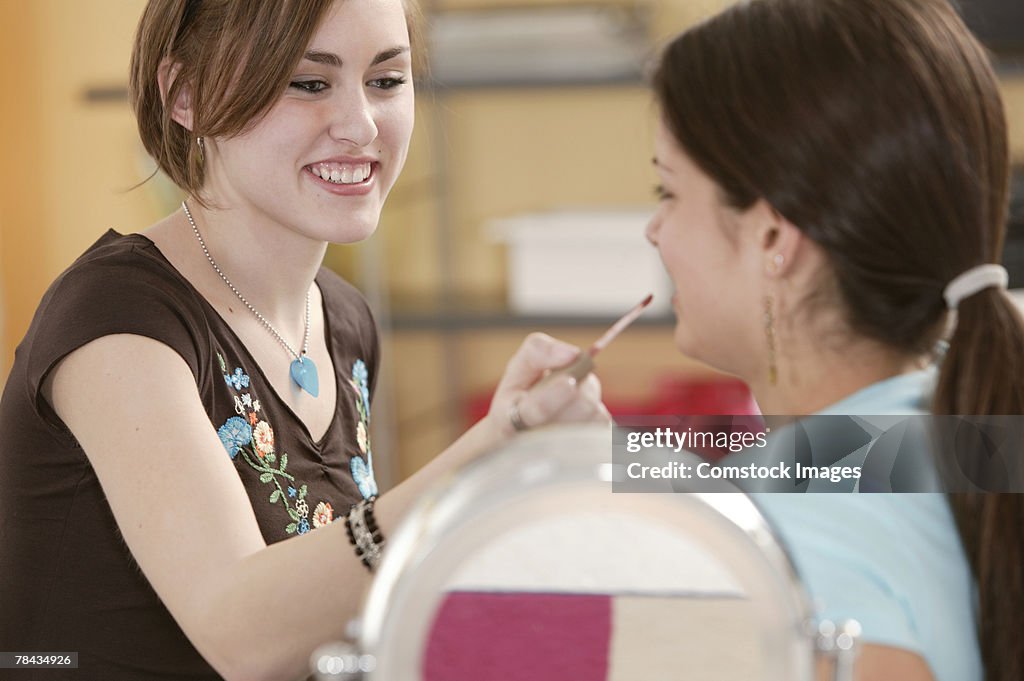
(202, 149)
(769, 334)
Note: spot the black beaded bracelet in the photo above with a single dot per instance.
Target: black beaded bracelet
(364, 534)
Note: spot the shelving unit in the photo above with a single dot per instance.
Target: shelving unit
(496, 145)
(443, 305)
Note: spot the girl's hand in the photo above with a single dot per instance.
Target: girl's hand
(522, 397)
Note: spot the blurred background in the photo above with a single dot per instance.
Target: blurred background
(521, 208)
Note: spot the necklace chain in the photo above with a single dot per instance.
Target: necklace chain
(263, 320)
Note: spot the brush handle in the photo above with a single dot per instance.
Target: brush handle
(583, 365)
(578, 369)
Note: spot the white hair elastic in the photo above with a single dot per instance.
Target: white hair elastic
(973, 281)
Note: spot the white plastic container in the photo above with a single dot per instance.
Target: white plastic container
(1018, 297)
(581, 262)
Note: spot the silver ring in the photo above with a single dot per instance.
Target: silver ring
(516, 419)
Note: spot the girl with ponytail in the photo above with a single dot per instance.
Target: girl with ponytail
(833, 200)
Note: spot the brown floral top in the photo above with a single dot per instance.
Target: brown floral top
(69, 583)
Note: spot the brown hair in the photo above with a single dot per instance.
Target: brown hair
(236, 58)
(877, 128)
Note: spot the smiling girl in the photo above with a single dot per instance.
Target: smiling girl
(189, 396)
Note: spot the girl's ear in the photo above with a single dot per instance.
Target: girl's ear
(181, 107)
(772, 240)
(778, 241)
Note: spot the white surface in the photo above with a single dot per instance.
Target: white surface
(582, 263)
(595, 553)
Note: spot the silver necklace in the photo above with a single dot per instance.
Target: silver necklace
(302, 369)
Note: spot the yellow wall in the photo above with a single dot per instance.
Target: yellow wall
(67, 164)
(1013, 94)
(21, 194)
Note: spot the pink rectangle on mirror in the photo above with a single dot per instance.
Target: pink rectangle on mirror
(520, 637)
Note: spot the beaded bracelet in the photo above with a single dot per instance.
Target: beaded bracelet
(364, 533)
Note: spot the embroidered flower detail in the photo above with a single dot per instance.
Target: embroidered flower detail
(360, 383)
(263, 436)
(363, 475)
(362, 470)
(361, 438)
(361, 376)
(250, 439)
(323, 514)
(359, 371)
(237, 380)
(234, 434)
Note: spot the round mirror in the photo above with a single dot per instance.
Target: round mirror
(526, 565)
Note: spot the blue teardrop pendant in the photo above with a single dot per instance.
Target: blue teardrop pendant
(304, 374)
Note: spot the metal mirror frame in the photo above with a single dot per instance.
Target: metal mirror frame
(446, 525)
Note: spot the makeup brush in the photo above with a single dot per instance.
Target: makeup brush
(584, 364)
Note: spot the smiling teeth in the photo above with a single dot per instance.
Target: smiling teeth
(342, 173)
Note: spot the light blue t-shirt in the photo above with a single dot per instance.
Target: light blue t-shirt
(892, 561)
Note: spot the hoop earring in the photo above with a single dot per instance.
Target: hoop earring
(202, 149)
(769, 334)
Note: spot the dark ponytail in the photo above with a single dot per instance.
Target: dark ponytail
(983, 373)
(983, 369)
(877, 128)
